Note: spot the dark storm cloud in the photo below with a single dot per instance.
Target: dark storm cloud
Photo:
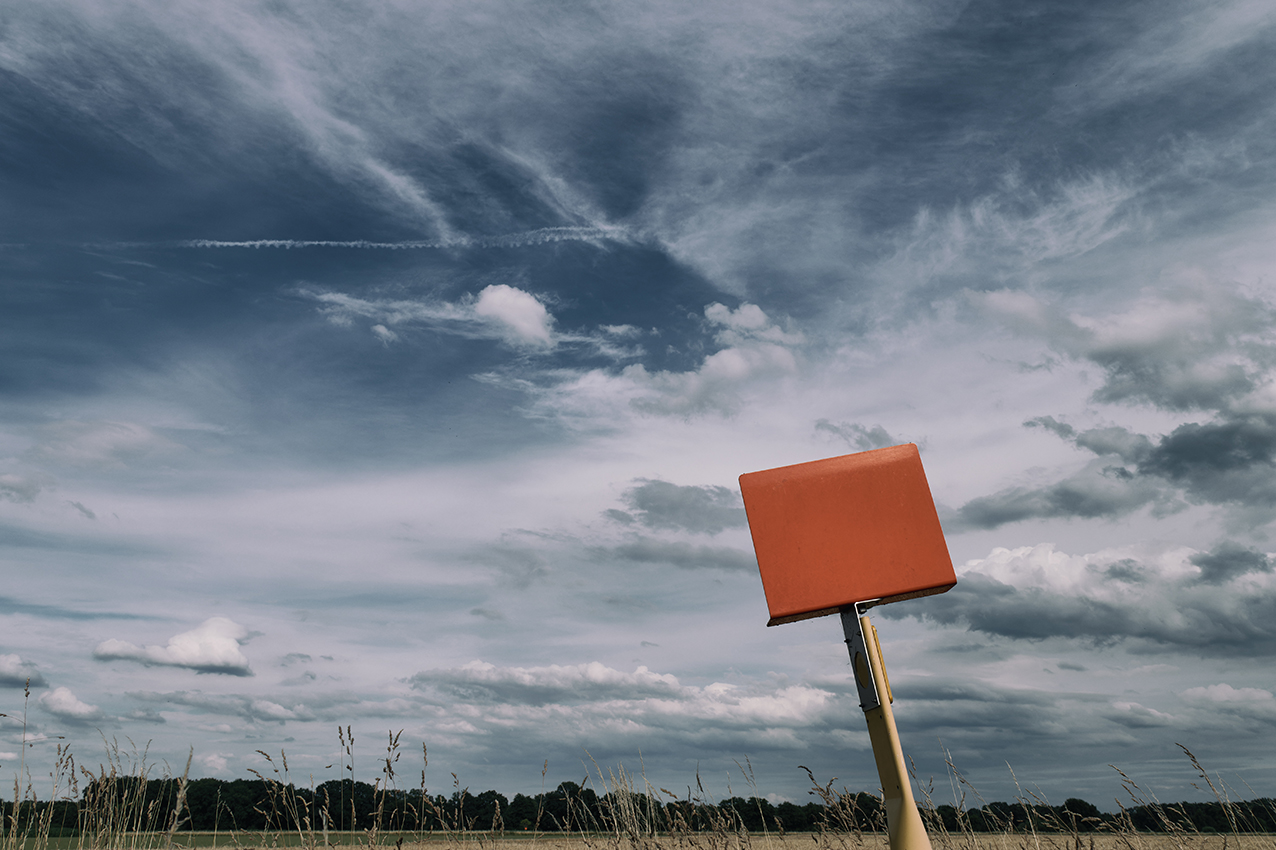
(858, 436)
(1099, 491)
(976, 714)
(706, 509)
(1187, 347)
(1201, 604)
(1230, 461)
(988, 605)
(1191, 347)
(1114, 440)
(1228, 561)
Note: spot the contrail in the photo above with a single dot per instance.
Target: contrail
(509, 240)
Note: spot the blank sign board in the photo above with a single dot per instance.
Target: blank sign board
(848, 529)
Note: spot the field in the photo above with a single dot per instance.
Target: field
(744, 841)
(121, 807)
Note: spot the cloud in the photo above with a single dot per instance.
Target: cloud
(1230, 461)
(254, 708)
(14, 673)
(498, 311)
(599, 707)
(1195, 346)
(1099, 491)
(85, 512)
(16, 488)
(212, 647)
(1136, 716)
(1255, 705)
(681, 554)
(521, 319)
(1015, 226)
(215, 762)
(146, 715)
(1153, 600)
(1224, 693)
(858, 436)
(715, 386)
(706, 509)
(754, 353)
(61, 703)
(8, 605)
(484, 682)
(1228, 561)
(102, 445)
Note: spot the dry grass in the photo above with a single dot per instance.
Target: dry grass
(631, 814)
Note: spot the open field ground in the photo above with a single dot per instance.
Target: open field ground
(700, 841)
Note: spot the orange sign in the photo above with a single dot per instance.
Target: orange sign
(848, 529)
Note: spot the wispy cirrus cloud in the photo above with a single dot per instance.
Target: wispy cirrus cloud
(498, 311)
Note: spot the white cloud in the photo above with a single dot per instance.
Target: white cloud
(212, 647)
(214, 762)
(1134, 715)
(756, 352)
(14, 672)
(746, 317)
(1151, 595)
(1196, 344)
(550, 683)
(595, 696)
(1221, 701)
(499, 311)
(520, 318)
(60, 702)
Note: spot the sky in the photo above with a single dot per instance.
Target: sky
(392, 365)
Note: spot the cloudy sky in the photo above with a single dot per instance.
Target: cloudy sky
(392, 365)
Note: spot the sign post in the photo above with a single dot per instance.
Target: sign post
(841, 536)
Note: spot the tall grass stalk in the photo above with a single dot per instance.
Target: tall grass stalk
(611, 809)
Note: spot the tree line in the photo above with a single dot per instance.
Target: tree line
(341, 805)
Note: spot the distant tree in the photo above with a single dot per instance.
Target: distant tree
(1080, 815)
(485, 811)
(521, 813)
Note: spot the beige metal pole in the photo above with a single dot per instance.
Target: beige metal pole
(903, 823)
